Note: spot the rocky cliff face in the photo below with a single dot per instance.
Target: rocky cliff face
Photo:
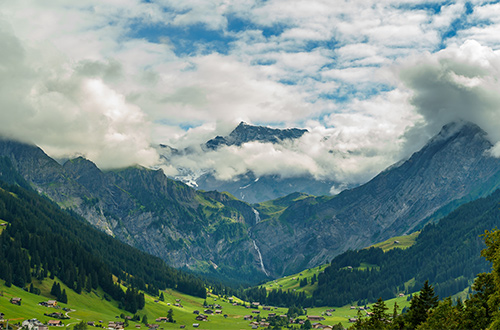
(244, 133)
(451, 169)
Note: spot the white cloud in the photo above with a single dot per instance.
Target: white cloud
(84, 78)
(457, 83)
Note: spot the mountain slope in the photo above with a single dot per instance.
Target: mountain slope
(143, 208)
(41, 239)
(451, 166)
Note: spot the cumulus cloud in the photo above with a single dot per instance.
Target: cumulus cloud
(458, 83)
(67, 112)
(105, 78)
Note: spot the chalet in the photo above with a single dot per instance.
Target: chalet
(202, 317)
(183, 326)
(162, 319)
(218, 311)
(266, 308)
(256, 312)
(196, 325)
(196, 312)
(208, 311)
(51, 303)
(353, 320)
(264, 324)
(91, 323)
(255, 304)
(16, 301)
(317, 326)
(328, 314)
(271, 315)
(177, 300)
(247, 317)
(315, 318)
(2, 316)
(55, 323)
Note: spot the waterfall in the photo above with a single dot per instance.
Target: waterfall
(257, 216)
(260, 257)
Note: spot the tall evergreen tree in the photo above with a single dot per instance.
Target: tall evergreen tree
(421, 305)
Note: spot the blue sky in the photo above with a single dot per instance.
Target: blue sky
(108, 79)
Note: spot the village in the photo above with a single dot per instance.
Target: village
(257, 316)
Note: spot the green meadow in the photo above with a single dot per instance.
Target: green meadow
(93, 307)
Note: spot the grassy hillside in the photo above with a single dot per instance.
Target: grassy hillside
(292, 282)
(93, 307)
(400, 242)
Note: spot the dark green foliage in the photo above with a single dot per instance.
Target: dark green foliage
(421, 305)
(80, 326)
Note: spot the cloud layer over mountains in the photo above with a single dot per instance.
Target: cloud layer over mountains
(370, 80)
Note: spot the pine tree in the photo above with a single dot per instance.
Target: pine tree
(421, 305)
(63, 298)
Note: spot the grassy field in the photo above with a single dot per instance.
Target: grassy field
(400, 242)
(93, 307)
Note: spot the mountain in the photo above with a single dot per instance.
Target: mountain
(207, 232)
(216, 234)
(452, 168)
(244, 133)
(249, 187)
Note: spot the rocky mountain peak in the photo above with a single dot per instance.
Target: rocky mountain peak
(244, 133)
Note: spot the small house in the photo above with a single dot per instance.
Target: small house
(55, 323)
(196, 325)
(51, 303)
(16, 301)
(315, 318)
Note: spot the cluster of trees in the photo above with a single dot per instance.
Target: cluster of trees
(478, 311)
(43, 241)
(56, 292)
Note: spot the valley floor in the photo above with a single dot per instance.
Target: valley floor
(92, 307)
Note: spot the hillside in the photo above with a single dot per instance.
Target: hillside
(446, 253)
(41, 240)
